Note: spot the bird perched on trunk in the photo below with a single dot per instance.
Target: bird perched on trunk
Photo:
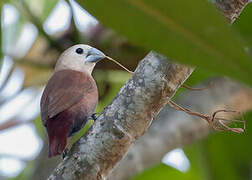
(70, 97)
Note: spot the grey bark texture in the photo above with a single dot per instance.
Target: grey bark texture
(231, 8)
(127, 118)
(174, 129)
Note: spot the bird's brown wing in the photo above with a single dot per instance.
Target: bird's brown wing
(64, 89)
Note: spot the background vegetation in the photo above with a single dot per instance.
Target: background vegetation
(189, 32)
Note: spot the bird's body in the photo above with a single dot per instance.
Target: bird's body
(69, 99)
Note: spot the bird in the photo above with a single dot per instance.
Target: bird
(70, 96)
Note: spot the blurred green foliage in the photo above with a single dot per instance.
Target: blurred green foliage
(191, 32)
(164, 172)
(198, 75)
(243, 25)
(48, 6)
(220, 156)
(161, 171)
(229, 155)
(26, 173)
(34, 11)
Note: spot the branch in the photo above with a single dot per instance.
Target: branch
(124, 120)
(174, 129)
(231, 8)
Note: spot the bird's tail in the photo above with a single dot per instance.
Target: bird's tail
(56, 147)
(57, 129)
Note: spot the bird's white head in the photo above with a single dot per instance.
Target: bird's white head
(79, 57)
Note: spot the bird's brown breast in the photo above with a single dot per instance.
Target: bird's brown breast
(69, 90)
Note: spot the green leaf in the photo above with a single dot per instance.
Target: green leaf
(198, 76)
(197, 170)
(41, 9)
(229, 154)
(109, 83)
(243, 24)
(191, 32)
(220, 156)
(164, 172)
(48, 7)
(26, 173)
(39, 127)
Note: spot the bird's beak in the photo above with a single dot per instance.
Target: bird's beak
(94, 55)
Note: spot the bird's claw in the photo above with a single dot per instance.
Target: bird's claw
(94, 116)
(65, 152)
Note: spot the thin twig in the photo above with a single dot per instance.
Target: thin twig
(109, 58)
(212, 119)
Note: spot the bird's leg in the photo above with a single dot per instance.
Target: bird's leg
(94, 116)
(65, 152)
(69, 145)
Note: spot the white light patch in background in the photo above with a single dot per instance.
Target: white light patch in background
(82, 18)
(5, 69)
(27, 37)
(20, 141)
(13, 85)
(16, 105)
(27, 34)
(11, 167)
(9, 27)
(32, 110)
(59, 19)
(177, 159)
(10, 15)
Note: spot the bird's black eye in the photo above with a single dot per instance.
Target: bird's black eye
(79, 51)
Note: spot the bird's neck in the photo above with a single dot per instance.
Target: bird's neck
(87, 69)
